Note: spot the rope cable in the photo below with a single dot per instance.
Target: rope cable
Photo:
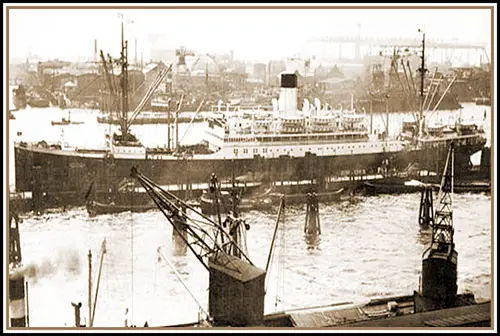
(278, 278)
(281, 269)
(182, 281)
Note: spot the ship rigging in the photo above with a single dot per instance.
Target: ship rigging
(121, 99)
(280, 144)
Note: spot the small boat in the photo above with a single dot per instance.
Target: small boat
(472, 187)
(417, 186)
(327, 196)
(207, 203)
(95, 208)
(65, 121)
(397, 187)
(11, 116)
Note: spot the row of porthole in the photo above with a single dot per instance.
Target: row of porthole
(128, 151)
(347, 137)
(264, 150)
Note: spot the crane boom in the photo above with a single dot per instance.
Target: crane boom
(204, 243)
(157, 81)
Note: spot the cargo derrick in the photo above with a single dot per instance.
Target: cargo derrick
(236, 286)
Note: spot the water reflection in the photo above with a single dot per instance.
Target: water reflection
(424, 236)
(179, 246)
(181, 266)
(349, 203)
(312, 241)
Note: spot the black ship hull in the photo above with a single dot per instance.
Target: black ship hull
(56, 170)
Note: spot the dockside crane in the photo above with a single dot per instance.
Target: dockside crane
(439, 260)
(236, 285)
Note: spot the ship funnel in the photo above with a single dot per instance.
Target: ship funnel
(288, 95)
(96, 54)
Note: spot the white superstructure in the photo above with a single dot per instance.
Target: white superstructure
(291, 132)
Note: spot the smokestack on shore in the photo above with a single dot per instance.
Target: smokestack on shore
(17, 301)
(96, 55)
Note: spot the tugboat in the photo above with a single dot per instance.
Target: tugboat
(65, 121)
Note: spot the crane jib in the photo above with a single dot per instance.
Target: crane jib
(204, 242)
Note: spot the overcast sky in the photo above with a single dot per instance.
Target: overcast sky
(261, 34)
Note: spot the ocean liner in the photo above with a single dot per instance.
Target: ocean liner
(285, 144)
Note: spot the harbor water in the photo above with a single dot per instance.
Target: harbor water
(369, 246)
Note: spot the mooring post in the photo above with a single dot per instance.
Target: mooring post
(179, 232)
(90, 286)
(312, 224)
(426, 212)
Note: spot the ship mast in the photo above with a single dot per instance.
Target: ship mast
(422, 71)
(124, 83)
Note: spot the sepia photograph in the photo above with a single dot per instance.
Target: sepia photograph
(223, 167)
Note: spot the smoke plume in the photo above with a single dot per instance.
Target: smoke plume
(67, 261)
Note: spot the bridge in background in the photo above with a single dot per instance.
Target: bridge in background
(352, 49)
